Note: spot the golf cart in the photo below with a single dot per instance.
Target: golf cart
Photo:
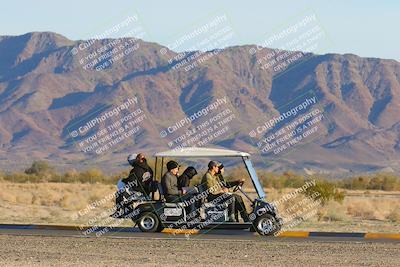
(153, 215)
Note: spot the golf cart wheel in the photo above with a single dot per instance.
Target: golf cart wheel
(149, 222)
(266, 225)
(160, 227)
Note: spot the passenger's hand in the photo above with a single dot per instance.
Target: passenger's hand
(241, 181)
(226, 190)
(183, 191)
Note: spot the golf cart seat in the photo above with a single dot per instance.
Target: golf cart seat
(129, 196)
(201, 188)
(162, 197)
(212, 205)
(136, 197)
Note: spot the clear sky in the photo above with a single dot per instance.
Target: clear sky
(363, 27)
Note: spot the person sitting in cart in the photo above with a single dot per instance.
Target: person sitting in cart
(172, 192)
(185, 177)
(169, 183)
(190, 191)
(137, 184)
(216, 189)
(239, 204)
(141, 175)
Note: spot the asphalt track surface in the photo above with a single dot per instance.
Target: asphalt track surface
(234, 235)
(27, 246)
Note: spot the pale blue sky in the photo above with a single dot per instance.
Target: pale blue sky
(363, 27)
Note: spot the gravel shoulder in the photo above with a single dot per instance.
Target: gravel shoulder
(67, 251)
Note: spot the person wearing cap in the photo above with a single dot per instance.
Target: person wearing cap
(141, 175)
(169, 183)
(239, 204)
(216, 189)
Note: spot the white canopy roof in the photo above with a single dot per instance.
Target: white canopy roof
(201, 152)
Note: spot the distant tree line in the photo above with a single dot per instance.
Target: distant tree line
(42, 171)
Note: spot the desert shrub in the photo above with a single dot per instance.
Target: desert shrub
(292, 180)
(333, 211)
(394, 216)
(325, 191)
(92, 176)
(19, 177)
(390, 182)
(362, 209)
(113, 179)
(39, 167)
(356, 183)
(70, 176)
(378, 181)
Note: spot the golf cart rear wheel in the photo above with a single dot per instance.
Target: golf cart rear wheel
(266, 225)
(149, 222)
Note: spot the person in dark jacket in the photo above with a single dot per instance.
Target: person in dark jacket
(193, 205)
(239, 204)
(187, 175)
(141, 175)
(138, 183)
(169, 183)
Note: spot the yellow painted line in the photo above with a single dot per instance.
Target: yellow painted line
(381, 236)
(180, 231)
(293, 234)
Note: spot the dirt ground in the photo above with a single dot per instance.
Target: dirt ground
(61, 203)
(70, 251)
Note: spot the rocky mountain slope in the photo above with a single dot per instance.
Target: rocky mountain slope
(50, 87)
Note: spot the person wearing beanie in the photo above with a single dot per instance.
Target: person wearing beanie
(169, 183)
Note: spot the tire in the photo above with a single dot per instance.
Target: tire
(149, 222)
(160, 227)
(266, 225)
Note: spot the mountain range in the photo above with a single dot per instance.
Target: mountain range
(50, 87)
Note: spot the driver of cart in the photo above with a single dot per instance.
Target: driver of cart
(141, 175)
(239, 204)
(216, 190)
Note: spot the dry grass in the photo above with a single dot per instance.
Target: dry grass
(69, 203)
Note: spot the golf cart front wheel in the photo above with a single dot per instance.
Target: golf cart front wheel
(266, 225)
(149, 222)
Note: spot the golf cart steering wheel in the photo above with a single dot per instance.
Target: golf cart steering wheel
(239, 185)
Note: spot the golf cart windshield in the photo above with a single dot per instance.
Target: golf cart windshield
(199, 152)
(254, 177)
